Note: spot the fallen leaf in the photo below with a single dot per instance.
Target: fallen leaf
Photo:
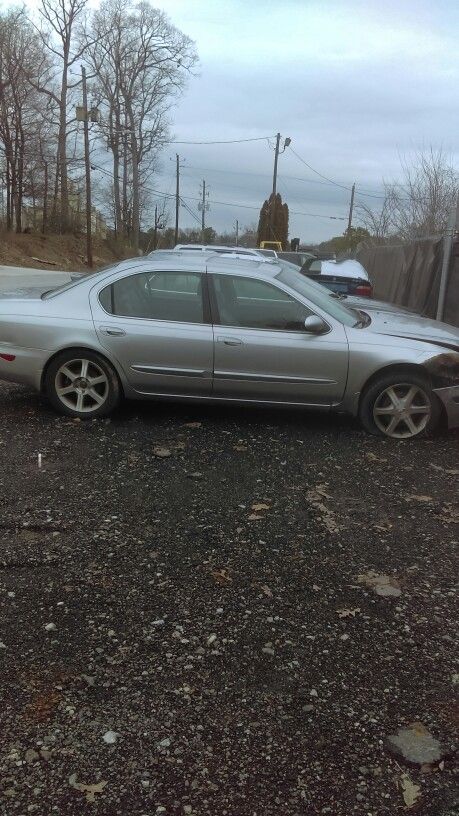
(254, 517)
(240, 448)
(327, 517)
(382, 524)
(373, 458)
(417, 497)
(266, 590)
(322, 491)
(221, 576)
(162, 453)
(410, 792)
(89, 790)
(426, 768)
(384, 585)
(261, 506)
(347, 613)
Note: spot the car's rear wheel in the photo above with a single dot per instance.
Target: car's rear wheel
(400, 406)
(81, 383)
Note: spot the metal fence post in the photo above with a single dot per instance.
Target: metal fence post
(453, 223)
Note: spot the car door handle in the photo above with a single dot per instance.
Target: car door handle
(230, 341)
(113, 331)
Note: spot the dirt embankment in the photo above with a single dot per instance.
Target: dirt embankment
(56, 251)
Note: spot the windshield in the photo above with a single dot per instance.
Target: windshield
(317, 294)
(56, 290)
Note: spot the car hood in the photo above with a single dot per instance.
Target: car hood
(370, 305)
(413, 326)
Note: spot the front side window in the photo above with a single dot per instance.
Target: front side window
(174, 296)
(255, 304)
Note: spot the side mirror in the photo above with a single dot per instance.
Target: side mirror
(315, 325)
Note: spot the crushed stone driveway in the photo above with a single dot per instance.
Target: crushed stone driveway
(193, 618)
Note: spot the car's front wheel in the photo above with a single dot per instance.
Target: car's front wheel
(400, 406)
(81, 383)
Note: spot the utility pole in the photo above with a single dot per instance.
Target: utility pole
(203, 206)
(177, 196)
(448, 241)
(237, 232)
(87, 169)
(155, 232)
(276, 159)
(287, 141)
(203, 215)
(273, 202)
(351, 209)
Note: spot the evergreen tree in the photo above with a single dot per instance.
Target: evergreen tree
(275, 229)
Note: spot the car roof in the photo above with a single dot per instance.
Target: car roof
(255, 267)
(170, 261)
(220, 252)
(213, 248)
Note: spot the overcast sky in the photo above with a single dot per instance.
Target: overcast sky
(354, 83)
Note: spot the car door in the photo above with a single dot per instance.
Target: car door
(262, 350)
(157, 325)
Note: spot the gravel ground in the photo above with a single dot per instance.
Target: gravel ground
(183, 628)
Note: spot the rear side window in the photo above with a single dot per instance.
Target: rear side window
(173, 296)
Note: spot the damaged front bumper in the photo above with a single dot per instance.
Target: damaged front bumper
(450, 398)
(444, 374)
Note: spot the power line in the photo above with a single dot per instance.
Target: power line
(227, 141)
(225, 203)
(330, 181)
(253, 207)
(349, 189)
(190, 211)
(268, 175)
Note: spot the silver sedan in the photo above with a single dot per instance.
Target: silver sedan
(216, 328)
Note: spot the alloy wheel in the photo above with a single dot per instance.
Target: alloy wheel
(82, 385)
(402, 411)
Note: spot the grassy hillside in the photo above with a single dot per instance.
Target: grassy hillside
(56, 251)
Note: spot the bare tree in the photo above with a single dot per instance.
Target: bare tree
(378, 221)
(59, 31)
(22, 111)
(421, 204)
(141, 64)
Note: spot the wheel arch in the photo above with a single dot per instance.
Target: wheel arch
(80, 347)
(394, 368)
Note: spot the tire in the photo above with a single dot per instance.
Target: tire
(82, 384)
(392, 406)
